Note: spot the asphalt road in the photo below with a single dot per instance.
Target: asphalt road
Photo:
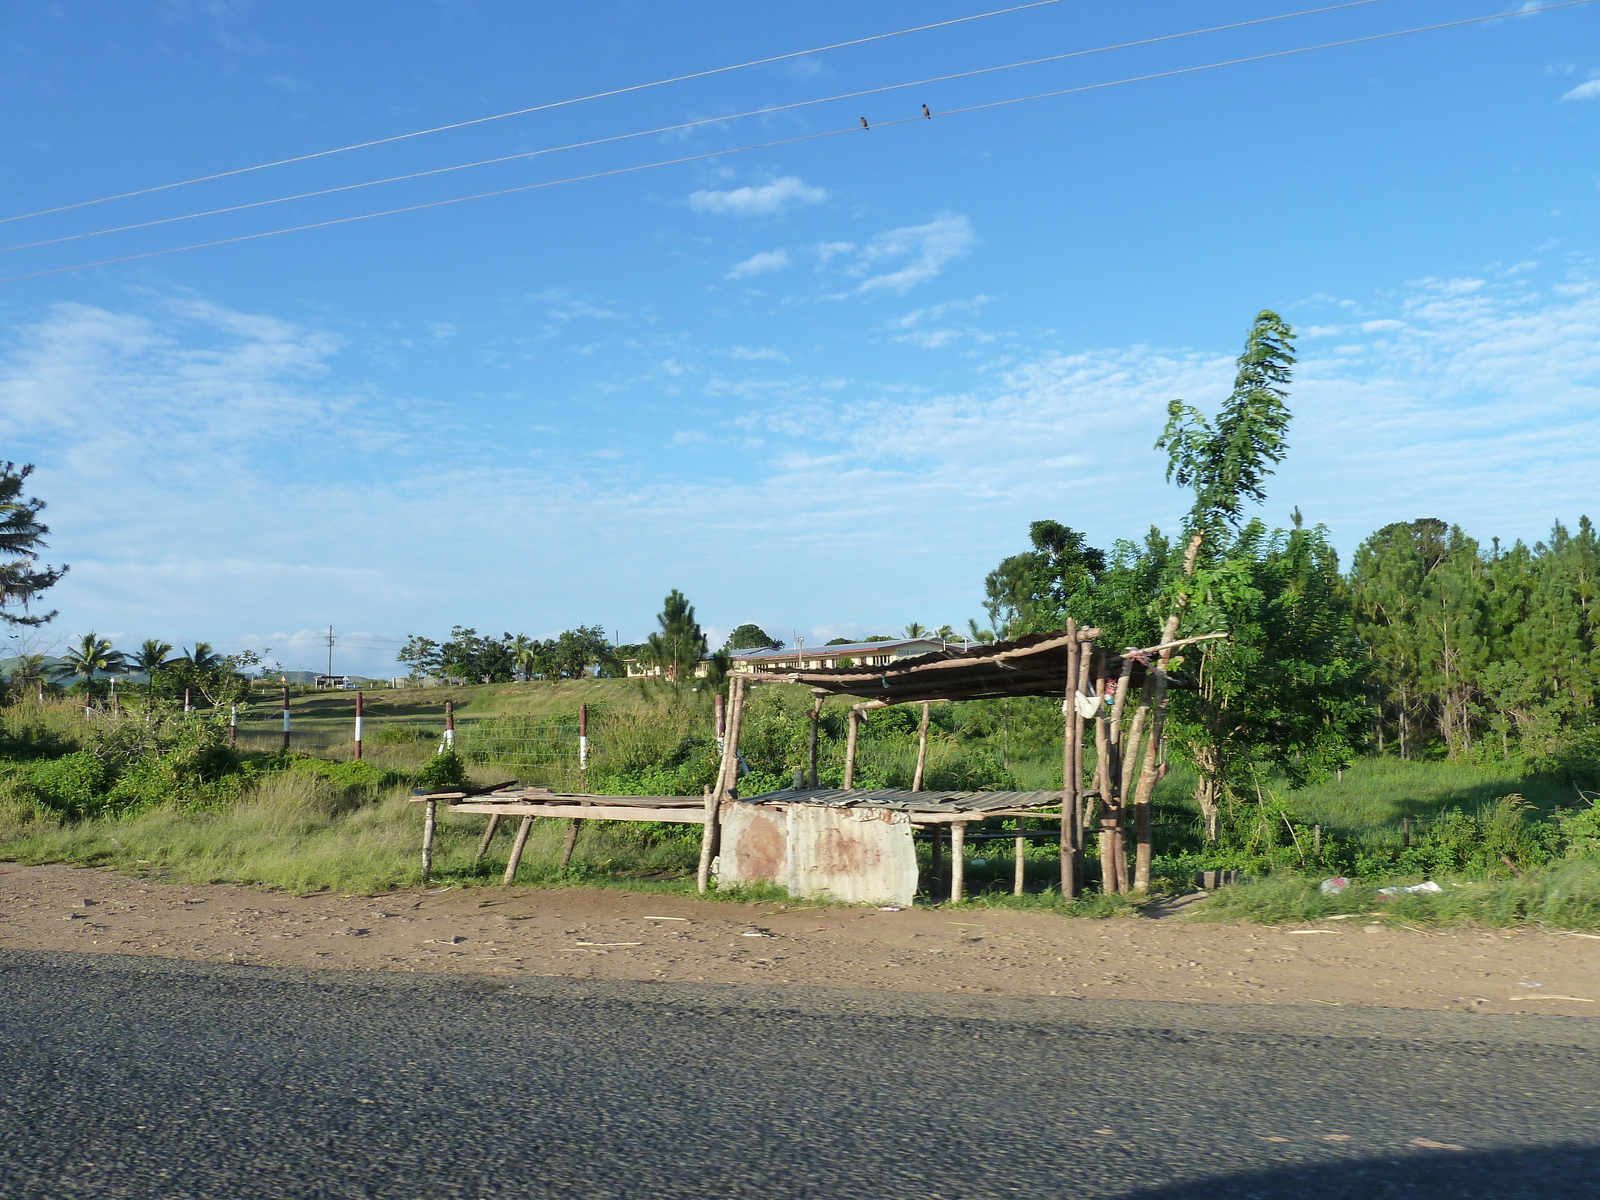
(125, 1077)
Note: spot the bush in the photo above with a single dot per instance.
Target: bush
(400, 735)
(443, 772)
(73, 785)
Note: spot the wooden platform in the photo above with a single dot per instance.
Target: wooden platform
(923, 808)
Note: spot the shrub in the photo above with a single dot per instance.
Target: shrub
(73, 785)
(442, 772)
(400, 735)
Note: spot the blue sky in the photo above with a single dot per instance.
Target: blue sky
(821, 385)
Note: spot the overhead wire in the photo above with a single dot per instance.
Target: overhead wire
(520, 112)
(686, 125)
(829, 133)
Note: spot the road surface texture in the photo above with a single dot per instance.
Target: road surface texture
(141, 1077)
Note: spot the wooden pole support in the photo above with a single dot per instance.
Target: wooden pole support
(1069, 782)
(850, 748)
(429, 820)
(727, 776)
(571, 843)
(449, 724)
(816, 716)
(922, 748)
(958, 859)
(1021, 868)
(516, 850)
(488, 836)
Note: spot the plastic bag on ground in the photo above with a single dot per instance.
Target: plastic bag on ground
(1334, 886)
(1415, 888)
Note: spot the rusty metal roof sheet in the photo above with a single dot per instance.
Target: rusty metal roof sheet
(915, 802)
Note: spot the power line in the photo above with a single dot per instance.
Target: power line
(528, 187)
(777, 108)
(519, 112)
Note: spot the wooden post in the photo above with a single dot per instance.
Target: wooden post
(1109, 879)
(285, 718)
(816, 716)
(1405, 832)
(1316, 842)
(922, 748)
(188, 702)
(726, 778)
(358, 724)
(719, 719)
(516, 850)
(935, 858)
(958, 857)
(430, 813)
(488, 836)
(233, 726)
(583, 738)
(850, 748)
(571, 843)
(1149, 773)
(1020, 871)
(1069, 780)
(1079, 822)
(449, 724)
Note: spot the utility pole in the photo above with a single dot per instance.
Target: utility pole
(330, 654)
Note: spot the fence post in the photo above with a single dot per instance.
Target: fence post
(1405, 832)
(188, 706)
(720, 715)
(233, 726)
(583, 737)
(358, 724)
(286, 719)
(1316, 842)
(450, 725)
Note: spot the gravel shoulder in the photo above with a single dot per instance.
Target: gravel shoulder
(598, 934)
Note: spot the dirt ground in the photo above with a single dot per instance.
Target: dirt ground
(600, 934)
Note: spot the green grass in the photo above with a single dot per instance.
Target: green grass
(1378, 793)
(1563, 896)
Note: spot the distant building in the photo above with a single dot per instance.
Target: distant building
(860, 654)
(336, 682)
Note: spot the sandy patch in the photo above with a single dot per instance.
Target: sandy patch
(599, 934)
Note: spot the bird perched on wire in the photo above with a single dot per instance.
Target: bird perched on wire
(864, 124)
(926, 113)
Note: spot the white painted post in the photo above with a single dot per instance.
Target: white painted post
(583, 737)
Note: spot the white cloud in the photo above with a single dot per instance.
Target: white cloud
(760, 264)
(923, 250)
(1584, 91)
(764, 200)
(207, 477)
(290, 84)
(756, 354)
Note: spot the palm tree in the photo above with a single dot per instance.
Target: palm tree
(93, 655)
(152, 656)
(915, 630)
(522, 655)
(28, 673)
(203, 657)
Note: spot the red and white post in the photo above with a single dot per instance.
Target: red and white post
(286, 720)
(450, 725)
(233, 726)
(583, 737)
(358, 724)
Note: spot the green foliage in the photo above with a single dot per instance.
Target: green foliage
(1227, 463)
(22, 579)
(73, 785)
(1037, 590)
(679, 645)
(751, 637)
(1481, 653)
(400, 735)
(445, 770)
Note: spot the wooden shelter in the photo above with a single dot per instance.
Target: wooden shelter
(856, 844)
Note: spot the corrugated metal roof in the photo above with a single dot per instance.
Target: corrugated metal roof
(915, 802)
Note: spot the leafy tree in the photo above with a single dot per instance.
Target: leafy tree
(751, 637)
(1227, 464)
(1037, 590)
(22, 535)
(92, 656)
(838, 642)
(578, 649)
(1285, 688)
(677, 648)
(422, 655)
(217, 678)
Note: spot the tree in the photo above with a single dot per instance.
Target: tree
(916, 630)
(218, 678)
(1284, 688)
(22, 534)
(421, 655)
(680, 644)
(751, 637)
(1227, 464)
(92, 656)
(152, 657)
(1037, 590)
